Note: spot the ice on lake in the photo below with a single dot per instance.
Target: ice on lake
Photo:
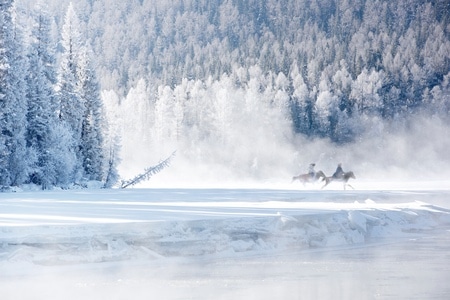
(289, 243)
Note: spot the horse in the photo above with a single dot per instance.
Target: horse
(307, 178)
(345, 178)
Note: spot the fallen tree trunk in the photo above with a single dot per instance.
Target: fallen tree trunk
(149, 172)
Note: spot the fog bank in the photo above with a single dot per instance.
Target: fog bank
(225, 134)
(417, 151)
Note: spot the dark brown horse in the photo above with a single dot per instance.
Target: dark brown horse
(344, 178)
(307, 178)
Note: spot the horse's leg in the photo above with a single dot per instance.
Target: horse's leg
(327, 181)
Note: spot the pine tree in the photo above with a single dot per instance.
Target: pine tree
(13, 162)
(111, 133)
(112, 160)
(71, 106)
(81, 108)
(91, 143)
(301, 106)
(41, 116)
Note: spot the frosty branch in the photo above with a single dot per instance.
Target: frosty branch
(149, 172)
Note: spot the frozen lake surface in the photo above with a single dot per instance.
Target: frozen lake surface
(416, 268)
(226, 244)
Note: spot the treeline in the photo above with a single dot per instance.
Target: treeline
(344, 59)
(53, 130)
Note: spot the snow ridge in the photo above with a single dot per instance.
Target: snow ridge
(88, 243)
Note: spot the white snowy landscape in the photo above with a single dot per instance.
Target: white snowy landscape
(147, 149)
(285, 242)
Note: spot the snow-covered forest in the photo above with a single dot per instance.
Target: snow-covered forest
(52, 119)
(239, 87)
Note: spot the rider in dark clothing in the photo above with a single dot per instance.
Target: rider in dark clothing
(339, 173)
(311, 170)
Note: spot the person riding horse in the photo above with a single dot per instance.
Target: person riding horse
(310, 177)
(339, 173)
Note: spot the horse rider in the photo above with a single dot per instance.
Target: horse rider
(339, 173)
(311, 170)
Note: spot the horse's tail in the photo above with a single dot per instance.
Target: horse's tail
(294, 178)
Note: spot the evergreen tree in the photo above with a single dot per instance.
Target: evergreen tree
(81, 108)
(41, 116)
(301, 106)
(92, 124)
(111, 161)
(111, 133)
(71, 105)
(13, 162)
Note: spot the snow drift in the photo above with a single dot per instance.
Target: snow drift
(52, 228)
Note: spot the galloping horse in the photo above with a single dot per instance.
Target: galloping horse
(307, 178)
(345, 178)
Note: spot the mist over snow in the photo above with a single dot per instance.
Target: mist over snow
(244, 135)
(244, 141)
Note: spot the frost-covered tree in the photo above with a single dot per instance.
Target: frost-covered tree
(91, 141)
(135, 116)
(81, 108)
(438, 99)
(112, 159)
(71, 105)
(40, 122)
(301, 104)
(365, 91)
(165, 120)
(112, 136)
(13, 157)
(42, 109)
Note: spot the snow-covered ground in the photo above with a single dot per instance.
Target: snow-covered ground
(287, 242)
